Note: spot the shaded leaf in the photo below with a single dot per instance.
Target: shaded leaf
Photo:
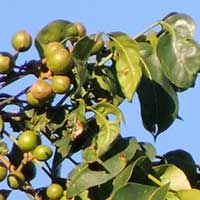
(127, 58)
(149, 149)
(158, 100)
(124, 176)
(108, 128)
(85, 176)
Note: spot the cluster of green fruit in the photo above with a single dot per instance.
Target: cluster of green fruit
(28, 142)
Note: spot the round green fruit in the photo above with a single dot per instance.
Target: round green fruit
(52, 47)
(3, 171)
(6, 62)
(28, 140)
(54, 191)
(2, 197)
(59, 61)
(32, 100)
(16, 180)
(41, 90)
(60, 84)
(21, 41)
(81, 29)
(42, 152)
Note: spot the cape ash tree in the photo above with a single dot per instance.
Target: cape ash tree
(72, 106)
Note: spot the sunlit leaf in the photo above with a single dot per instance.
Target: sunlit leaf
(173, 175)
(192, 194)
(80, 55)
(126, 56)
(180, 58)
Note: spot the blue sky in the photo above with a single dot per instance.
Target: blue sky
(128, 16)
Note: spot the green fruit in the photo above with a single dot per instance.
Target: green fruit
(54, 191)
(1, 124)
(99, 43)
(32, 100)
(3, 171)
(6, 62)
(81, 29)
(28, 140)
(2, 197)
(21, 41)
(41, 90)
(15, 180)
(52, 47)
(42, 152)
(59, 61)
(29, 171)
(60, 84)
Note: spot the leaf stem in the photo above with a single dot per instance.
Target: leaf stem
(147, 30)
(154, 179)
(103, 61)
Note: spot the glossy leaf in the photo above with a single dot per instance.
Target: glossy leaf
(80, 55)
(180, 58)
(126, 56)
(173, 175)
(55, 31)
(108, 128)
(124, 176)
(158, 100)
(149, 149)
(160, 193)
(135, 191)
(183, 24)
(85, 176)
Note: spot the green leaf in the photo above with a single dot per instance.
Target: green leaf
(80, 55)
(108, 128)
(192, 194)
(55, 31)
(127, 58)
(124, 176)
(184, 161)
(180, 58)
(160, 193)
(64, 144)
(85, 176)
(84, 195)
(149, 149)
(134, 191)
(183, 24)
(173, 175)
(158, 100)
